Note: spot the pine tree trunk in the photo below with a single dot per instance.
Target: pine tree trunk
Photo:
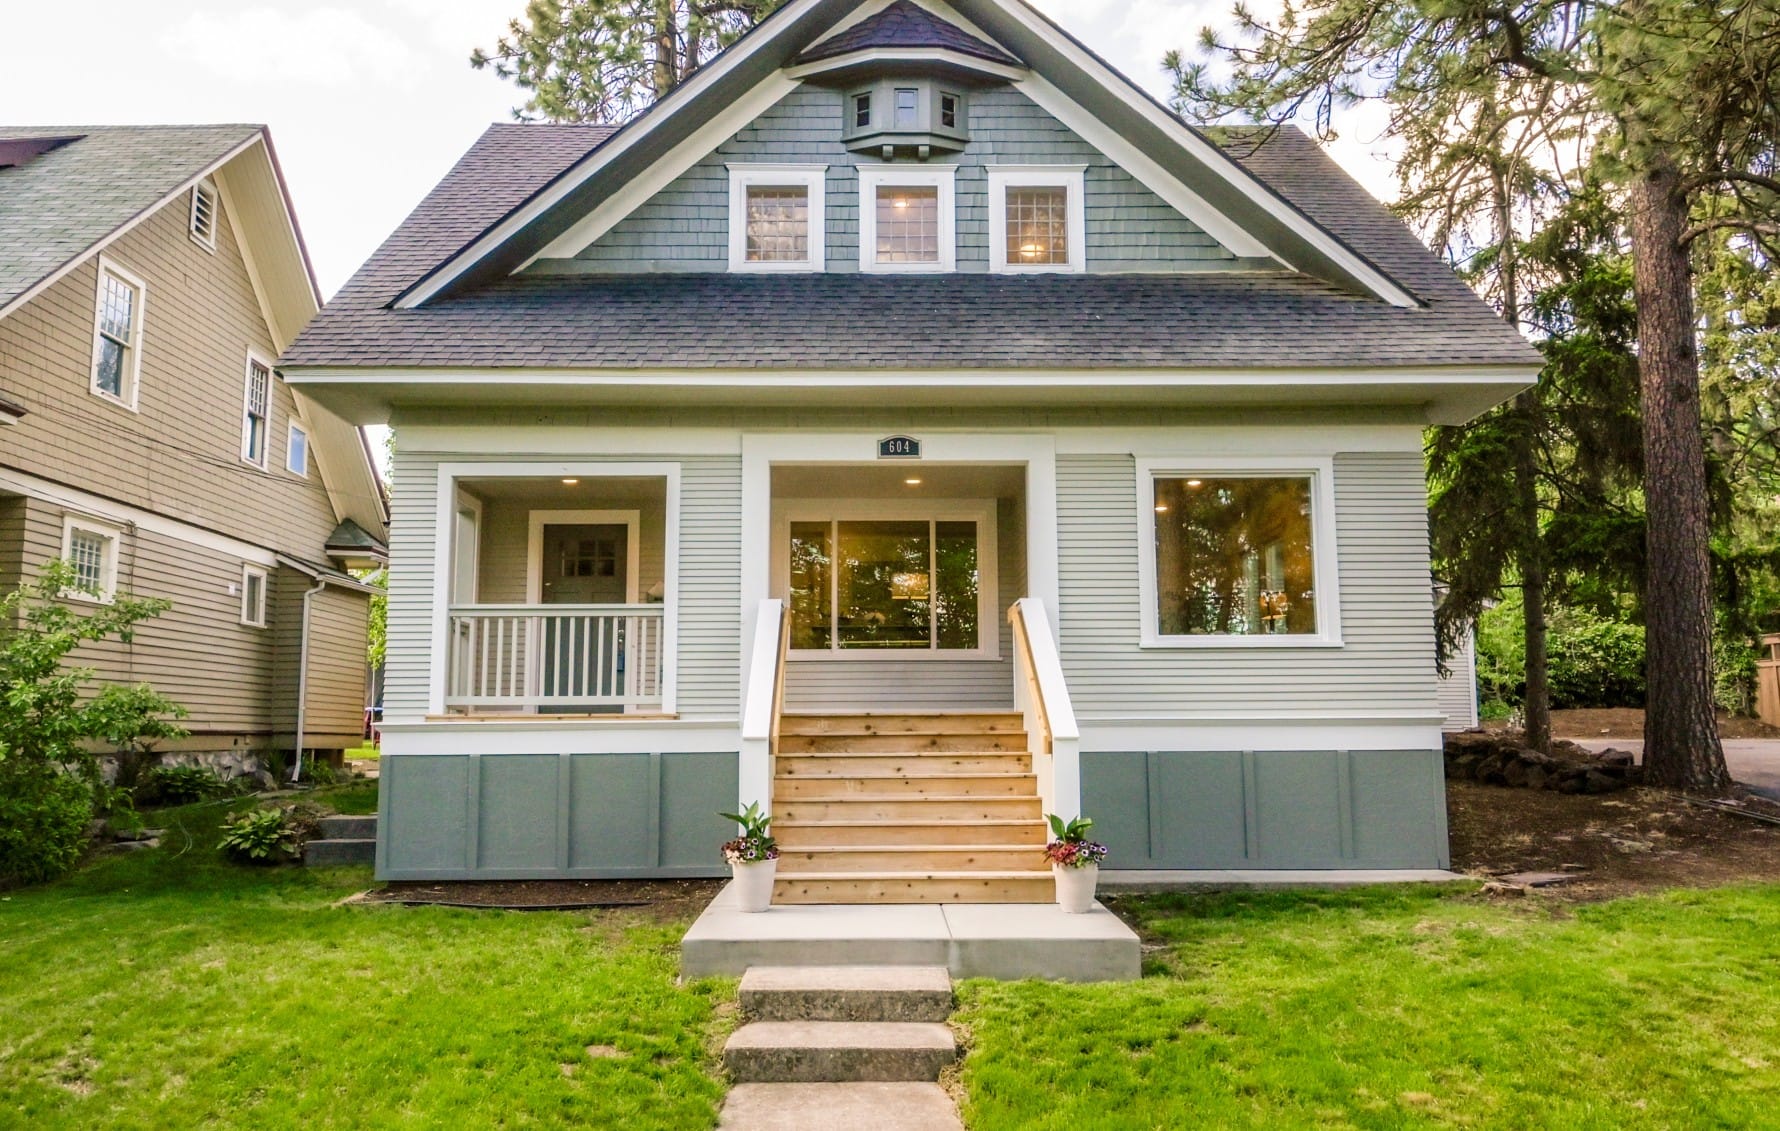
(667, 47)
(1537, 704)
(1681, 746)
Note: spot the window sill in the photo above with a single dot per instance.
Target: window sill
(1237, 643)
(898, 655)
(86, 597)
(127, 406)
(777, 268)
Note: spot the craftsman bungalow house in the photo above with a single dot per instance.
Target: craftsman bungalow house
(149, 278)
(913, 427)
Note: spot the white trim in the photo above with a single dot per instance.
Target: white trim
(983, 512)
(875, 177)
(1321, 473)
(205, 186)
(471, 505)
(1071, 178)
(130, 396)
(919, 57)
(254, 357)
(108, 557)
(548, 734)
(536, 521)
(813, 179)
(264, 576)
(122, 514)
(1321, 733)
(444, 549)
(293, 429)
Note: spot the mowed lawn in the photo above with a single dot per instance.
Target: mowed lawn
(169, 989)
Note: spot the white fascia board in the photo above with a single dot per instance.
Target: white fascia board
(619, 144)
(919, 56)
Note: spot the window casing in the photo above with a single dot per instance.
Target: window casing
(204, 214)
(1037, 218)
(91, 548)
(907, 218)
(296, 450)
(253, 596)
(777, 217)
(1238, 554)
(256, 411)
(117, 334)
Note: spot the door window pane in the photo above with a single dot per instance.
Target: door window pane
(1038, 226)
(955, 561)
(908, 224)
(778, 224)
(883, 597)
(811, 612)
(1234, 557)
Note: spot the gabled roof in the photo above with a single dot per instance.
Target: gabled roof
(905, 24)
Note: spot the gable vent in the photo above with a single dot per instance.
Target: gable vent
(204, 213)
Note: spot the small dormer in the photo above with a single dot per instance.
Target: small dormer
(899, 114)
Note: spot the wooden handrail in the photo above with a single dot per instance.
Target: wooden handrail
(1055, 747)
(765, 704)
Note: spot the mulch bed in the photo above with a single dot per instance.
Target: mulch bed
(1628, 722)
(663, 899)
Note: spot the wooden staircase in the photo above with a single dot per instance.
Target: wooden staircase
(929, 808)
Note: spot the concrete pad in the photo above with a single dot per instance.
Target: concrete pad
(1220, 879)
(820, 1052)
(1013, 941)
(837, 1107)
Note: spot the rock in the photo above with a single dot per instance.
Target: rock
(1538, 777)
(1620, 758)
(1463, 768)
(1532, 757)
(1515, 773)
(1538, 879)
(1594, 782)
(1569, 785)
(264, 781)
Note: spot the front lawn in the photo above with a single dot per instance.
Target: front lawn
(1399, 1008)
(170, 989)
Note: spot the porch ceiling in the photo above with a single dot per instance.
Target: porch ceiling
(878, 481)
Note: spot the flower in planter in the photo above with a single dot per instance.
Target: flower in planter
(756, 844)
(1070, 846)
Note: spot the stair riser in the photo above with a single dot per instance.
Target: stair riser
(347, 828)
(901, 744)
(901, 724)
(913, 808)
(1039, 889)
(339, 853)
(1024, 859)
(847, 765)
(817, 1066)
(842, 789)
(938, 833)
(847, 1005)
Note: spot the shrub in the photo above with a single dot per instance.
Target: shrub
(269, 836)
(43, 826)
(1595, 662)
(180, 785)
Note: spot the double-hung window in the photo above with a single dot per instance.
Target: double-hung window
(1238, 554)
(117, 334)
(90, 549)
(776, 217)
(296, 450)
(906, 218)
(256, 411)
(253, 596)
(1037, 218)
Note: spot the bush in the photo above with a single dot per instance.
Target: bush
(180, 785)
(43, 826)
(1595, 661)
(269, 836)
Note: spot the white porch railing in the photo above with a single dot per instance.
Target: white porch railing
(1052, 736)
(560, 658)
(765, 704)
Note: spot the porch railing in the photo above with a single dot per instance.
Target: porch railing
(765, 703)
(1042, 696)
(555, 658)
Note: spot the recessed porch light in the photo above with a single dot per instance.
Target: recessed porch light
(570, 482)
(912, 482)
(1195, 483)
(1161, 508)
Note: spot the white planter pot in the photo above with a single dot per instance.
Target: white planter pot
(1075, 887)
(754, 884)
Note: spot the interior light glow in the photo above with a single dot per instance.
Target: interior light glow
(570, 482)
(912, 482)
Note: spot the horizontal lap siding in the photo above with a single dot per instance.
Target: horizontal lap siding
(338, 623)
(1386, 664)
(412, 548)
(685, 227)
(505, 568)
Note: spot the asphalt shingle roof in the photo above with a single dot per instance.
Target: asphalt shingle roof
(905, 24)
(55, 207)
(1206, 319)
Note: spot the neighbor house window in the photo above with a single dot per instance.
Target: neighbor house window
(1037, 218)
(296, 451)
(776, 218)
(874, 585)
(256, 411)
(204, 211)
(253, 596)
(1238, 556)
(906, 220)
(117, 334)
(91, 549)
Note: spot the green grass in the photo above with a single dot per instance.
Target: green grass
(1390, 1008)
(172, 989)
(364, 754)
(357, 798)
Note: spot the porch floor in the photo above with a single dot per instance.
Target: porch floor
(1008, 941)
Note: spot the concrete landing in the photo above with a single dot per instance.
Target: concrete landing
(1209, 879)
(1008, 941)
(837, 1107)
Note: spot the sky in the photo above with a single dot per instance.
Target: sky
(371, 101)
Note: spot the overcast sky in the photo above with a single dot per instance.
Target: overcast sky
(370, 101)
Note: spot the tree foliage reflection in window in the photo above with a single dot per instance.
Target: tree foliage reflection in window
(903, 584)
(1234, 556)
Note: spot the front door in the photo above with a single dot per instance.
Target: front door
(584, 564)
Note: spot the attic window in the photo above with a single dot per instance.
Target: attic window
(948, 111)
(204, 214)
(1037, 218)
(776, 217)
(907, 218)
(908, 108)
(861, 111)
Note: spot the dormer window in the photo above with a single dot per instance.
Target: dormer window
(861, 111)
(1037, 218)
(776, 217)
(908, 108)
(948, 111)
(916, 119)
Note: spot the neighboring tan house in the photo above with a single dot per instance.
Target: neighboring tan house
(909, 425)
(149, 278)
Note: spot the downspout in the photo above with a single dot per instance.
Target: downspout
(296, 772)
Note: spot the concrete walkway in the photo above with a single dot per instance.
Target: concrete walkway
(1753, 761)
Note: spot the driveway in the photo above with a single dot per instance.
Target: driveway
(1753, 761)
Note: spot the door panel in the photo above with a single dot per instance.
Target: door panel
(584, 564)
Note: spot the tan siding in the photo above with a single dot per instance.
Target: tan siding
(336, 700)
(180, 455)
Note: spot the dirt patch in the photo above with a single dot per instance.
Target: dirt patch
(1628, 722)
(1638, 840)
(666, 900)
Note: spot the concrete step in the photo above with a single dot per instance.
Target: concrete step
(897, 762)
(839, 1107)
(912, 831)
(951, 723)
(913, 858)
(867, 807)
(847, 993)
(338, 853)
(964, 742)
(348, 828)
(915, 887)
(935, 784)
(815, 1052)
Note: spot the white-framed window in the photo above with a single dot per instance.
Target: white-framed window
(204, 214)
(1038, 218)
(1238, 553)
(777, 217)
(253, 596)
(91, 548)
(907, 218)
(256, 411)
(117, 334)
(870, 579)
(296, 450)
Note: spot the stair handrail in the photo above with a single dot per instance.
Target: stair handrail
(765, 703)
(1042, 693)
